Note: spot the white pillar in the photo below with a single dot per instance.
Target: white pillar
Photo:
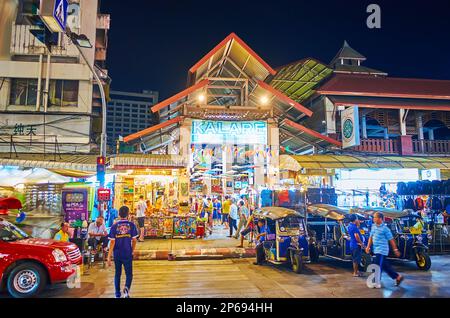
(273, 158)
(431, 134)
(259, 166)
(402, 122)
(227, 162)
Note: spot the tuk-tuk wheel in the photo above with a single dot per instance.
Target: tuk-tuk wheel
(366, 260)
(423, 261)
(296, 262)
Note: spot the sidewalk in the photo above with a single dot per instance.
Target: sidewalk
(217, 246)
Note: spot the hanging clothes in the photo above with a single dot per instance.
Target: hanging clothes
(409, 203)
(420, 205)
(266, 198)
(283, 198)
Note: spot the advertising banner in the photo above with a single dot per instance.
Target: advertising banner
(75, 204)
(350, 127)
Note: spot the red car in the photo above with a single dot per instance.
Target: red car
(28, 265)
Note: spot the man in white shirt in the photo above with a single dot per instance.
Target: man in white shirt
(140, 214)
(97, 233)
(234, 217)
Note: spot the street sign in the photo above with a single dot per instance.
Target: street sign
(54, 14)
(350, 127)
(60, 13)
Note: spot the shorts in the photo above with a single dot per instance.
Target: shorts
(224, 217)
(356, 255)
(246, 231)
(141, 221)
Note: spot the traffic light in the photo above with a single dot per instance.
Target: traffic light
(101, 170)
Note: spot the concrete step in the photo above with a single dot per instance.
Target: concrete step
(212, 253)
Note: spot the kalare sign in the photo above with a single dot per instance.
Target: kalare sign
(229, 132)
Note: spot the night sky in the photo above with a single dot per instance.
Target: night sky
(153, 43)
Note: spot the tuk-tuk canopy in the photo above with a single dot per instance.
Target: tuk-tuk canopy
(328, 211)
(275, 213)
(389, 213)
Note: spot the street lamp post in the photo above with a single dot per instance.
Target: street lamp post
(82, 41)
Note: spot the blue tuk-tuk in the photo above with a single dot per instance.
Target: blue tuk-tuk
(287, 239)
(413, 245)
(333, 241)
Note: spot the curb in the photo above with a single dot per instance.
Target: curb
(207, 253)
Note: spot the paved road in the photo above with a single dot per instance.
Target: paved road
(240, 278)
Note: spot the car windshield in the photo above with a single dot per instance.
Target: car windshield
(10, 232)
(291, 224)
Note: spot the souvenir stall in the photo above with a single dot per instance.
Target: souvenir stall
(432, 200)
(165, 191)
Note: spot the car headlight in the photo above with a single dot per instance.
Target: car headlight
(59, 256)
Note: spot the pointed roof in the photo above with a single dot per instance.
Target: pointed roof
(238, 52)
(347, 52)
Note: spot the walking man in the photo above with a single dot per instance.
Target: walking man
(123, 235)
(243, 217)
(356, 243)
(234, 217)
(140, 214)
(380, 237)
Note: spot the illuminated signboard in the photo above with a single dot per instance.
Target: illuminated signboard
(229, 132)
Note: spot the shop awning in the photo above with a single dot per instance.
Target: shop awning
(64, 164)
(144, 161)
(362, 162)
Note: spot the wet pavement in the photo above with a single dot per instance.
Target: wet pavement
(240, 278)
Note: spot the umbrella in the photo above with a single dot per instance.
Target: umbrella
(8, 204)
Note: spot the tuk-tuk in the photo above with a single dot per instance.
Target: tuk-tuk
(287, 239)
(413, 246)
(329, 224)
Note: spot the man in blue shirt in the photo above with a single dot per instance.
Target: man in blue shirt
(356, 243)
(380, 237)
(123, 236)
(261, 237)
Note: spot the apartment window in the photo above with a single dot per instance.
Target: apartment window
(23, 92)
(63, 93)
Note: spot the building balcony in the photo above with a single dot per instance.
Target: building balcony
(394, 147)
(24, 43)
(103, 21)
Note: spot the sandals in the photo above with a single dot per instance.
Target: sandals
(399, 281)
